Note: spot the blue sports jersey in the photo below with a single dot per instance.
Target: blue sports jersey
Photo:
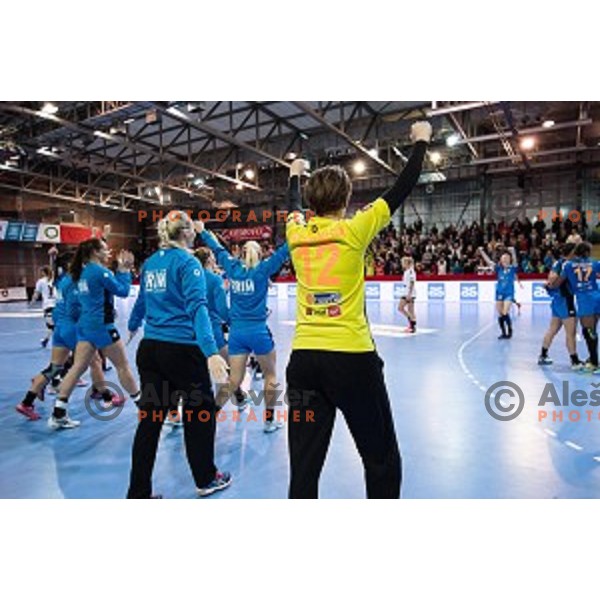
(218, 311)
(581, 274)
(248, 287)
(67, 307)
(97, 288)
(506, 279)
(564, 291)
(172, 300)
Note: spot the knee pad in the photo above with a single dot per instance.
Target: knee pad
(52, 371)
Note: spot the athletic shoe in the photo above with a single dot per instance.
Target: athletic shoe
(82, 383)
(27, 411)
(63, 423)
(579, 366)
(106, 370)
(271, 426)
(545, 360)
(589, 367)
(116, 400)
(504, 337)
(44, 342)
(175, 421)
(220, 482)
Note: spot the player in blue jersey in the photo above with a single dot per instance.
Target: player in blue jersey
(506, 271)
(176, 359)
(96, 288)
(581, 273)
(249, 285)
(218, 311)
(563, 312)
(64, 339)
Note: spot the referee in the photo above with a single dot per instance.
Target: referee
(334, 364)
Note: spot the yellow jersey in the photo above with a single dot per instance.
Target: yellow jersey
(328, 257)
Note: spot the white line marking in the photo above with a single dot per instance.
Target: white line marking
(461, 350)
(36, 331)
(572, 445)
(550, 432)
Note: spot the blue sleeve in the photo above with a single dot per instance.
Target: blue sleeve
(139, 308)
(224, 259)
(118, 284)
(274, 263)
(194, 291)
(221, 302)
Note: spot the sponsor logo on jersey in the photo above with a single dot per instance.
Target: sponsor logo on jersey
(291, 290)
(323, 298)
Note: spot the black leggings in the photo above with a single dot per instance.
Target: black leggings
(169, 371)
(320, 382)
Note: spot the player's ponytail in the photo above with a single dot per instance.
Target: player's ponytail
(252, 254)
(82, 256)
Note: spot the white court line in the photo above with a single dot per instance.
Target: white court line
(573, 445)
(40, 330)
(465, 345)
(469, 374)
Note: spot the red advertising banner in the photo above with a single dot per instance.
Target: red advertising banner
(74, 234)
(243, 234)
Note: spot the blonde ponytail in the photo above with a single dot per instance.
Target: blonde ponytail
(252, 254)
(170, 227)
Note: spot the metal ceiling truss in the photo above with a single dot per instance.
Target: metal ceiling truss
(112, 152)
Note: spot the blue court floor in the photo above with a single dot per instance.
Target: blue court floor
(451, 446)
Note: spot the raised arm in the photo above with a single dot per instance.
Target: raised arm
(120, 283)
(222, 255)
(294, 196)
(397, 194)
(274, 263)
(488, 261)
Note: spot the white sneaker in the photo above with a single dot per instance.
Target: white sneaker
(64, 423)
(271, 426)
(174, 422)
